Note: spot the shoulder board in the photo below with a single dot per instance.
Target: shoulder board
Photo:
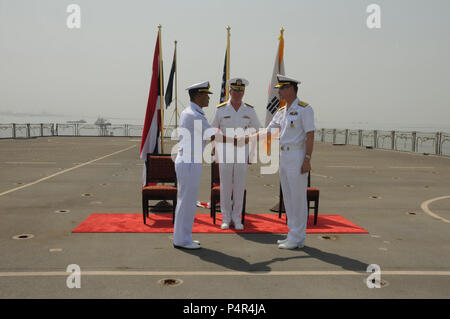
(281, 108)
(222, 104)
(248, 104)
(303, 104)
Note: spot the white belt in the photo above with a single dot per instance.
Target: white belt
(288, 147)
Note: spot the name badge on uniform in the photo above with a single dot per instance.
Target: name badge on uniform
(293, 113)
(246, 117)
(227, 117)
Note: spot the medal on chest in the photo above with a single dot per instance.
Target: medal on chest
(292, 122)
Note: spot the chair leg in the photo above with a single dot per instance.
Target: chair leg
(213, 209)
(316, 210)
(210, 207)
(144, 208)
(280, 203)
(309, 207)
(243, 207)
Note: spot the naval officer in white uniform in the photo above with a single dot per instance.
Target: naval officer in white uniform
(194, 131)
(296, 124)
(233, 117)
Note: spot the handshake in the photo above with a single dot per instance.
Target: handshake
(237, 140)
(240, 140)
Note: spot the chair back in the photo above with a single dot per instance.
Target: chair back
(160, 168)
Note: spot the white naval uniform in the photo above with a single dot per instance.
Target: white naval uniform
(233, 161)
(188, 167)
(294, 123)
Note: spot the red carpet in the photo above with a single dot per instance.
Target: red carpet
(254, 223)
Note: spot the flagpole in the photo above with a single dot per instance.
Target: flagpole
(176, 88)
(228, 63)
(161, 95)
(280, 57)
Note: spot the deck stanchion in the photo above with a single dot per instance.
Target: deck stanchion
(375, 139)
(393, 140)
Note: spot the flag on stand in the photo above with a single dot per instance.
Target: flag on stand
(169, 89)
(226, 70)
(151, 142)
(223, 96)
(273, 102)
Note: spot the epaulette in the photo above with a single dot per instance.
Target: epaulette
(303, 104)
(248, 104)
(222, 104)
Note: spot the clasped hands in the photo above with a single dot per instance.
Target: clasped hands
(237, 140)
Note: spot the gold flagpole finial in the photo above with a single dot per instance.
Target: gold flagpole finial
(228, 28)
(159, 26)
(282, 30)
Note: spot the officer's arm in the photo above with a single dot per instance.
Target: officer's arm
(309, 144)
(224, 139)
(265, 132)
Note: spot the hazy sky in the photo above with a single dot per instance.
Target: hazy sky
(350, 73)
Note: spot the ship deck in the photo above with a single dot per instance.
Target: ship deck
(402, 199)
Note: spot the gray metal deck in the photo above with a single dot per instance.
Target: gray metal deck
(42, 175)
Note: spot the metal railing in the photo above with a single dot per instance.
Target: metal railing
(15, 130)
(437, 143)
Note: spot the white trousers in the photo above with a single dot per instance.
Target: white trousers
(232, 183)
(188, 183)
(294, 185)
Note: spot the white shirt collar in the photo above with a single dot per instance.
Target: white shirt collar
(232, 107)
(293, 104)
(197, 108)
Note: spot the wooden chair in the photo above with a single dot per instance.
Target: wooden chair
(215, 192)
(160, 169)
(312, 195)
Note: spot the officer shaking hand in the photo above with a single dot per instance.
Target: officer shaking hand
(296, 124)
(194, 128)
